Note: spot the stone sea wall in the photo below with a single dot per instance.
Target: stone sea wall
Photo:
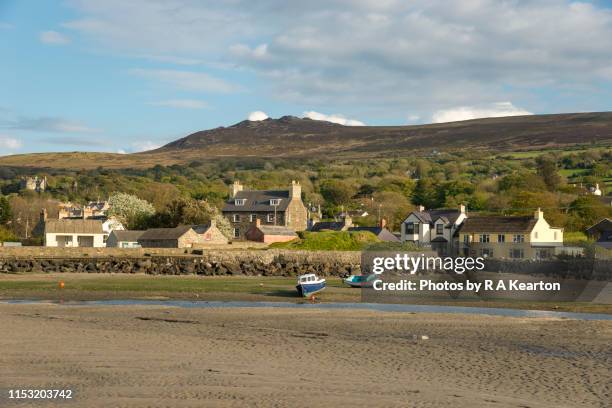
(213, 262)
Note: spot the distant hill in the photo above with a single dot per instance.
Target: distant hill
(290, 136)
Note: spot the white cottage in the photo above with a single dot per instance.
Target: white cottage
(74, 233)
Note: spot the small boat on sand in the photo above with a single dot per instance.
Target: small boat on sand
(309, 284)
(360, 281)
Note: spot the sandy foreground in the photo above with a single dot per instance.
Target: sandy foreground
(152, 356)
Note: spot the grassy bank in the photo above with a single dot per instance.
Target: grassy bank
(120, 286)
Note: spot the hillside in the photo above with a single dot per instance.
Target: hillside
(290, 136)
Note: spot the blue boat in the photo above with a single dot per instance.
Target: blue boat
(361, 281)
(309, 284)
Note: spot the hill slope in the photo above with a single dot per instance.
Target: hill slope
(295, 137)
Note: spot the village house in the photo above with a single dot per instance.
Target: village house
(380, 231)
(344, 224)
(210, 234)
(601, 233)
(271, 207)
(124, 239)
(515, 237)
(93, 209)
(436, 228)
(180, 237)
(74, 233)
(269, 233)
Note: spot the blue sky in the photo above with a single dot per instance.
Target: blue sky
(126, 76)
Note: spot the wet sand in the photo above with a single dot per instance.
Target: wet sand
(142, 356)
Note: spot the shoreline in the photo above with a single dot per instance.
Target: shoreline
(101, 287)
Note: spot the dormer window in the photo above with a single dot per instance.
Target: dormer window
(275, 201)
(240, 201)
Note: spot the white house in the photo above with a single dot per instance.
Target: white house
(74, 233)
(436, 227)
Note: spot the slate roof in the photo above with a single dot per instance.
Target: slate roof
(601, 226)
(160, 234)
(449, 215)
(381, 232)
(127, 235)
(328, 225)
(68, 226)
(497, 224)
(276, 230)
(258, 200)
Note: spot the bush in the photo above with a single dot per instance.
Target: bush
(330, 241)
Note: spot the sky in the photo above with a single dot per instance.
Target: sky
(127, 76)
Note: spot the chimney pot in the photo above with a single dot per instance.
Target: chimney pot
(383, 223)
(421, 208)
(257, 222)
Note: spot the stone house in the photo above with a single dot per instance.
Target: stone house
(210, 234)
(35, 183)
(271, 207)
(516, 237)
(124, 239)
(269, 233)
(180, 237)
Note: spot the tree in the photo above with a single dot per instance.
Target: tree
(5, 210)
(129, 209)
(586, 211)
(547, 169)
(337, 191)
(425, 194)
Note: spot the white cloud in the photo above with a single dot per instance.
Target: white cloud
(257, 116)
(9, 143)
(144, 145)
(413, 118)
(53, 38)
(121, 151)
(335, 118)
(470, 112)
(47, 124)
(396, 55)
(186, 80)
(181, 104)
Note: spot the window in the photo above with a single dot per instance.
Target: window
(466, 239)
(516, 254)
(104, 238)
(409, 228)
(236, 232)
(555, 235)
(439, 229)
(236, 218)
(240, 201)
(252, 217)
(484, 238)
(270, 217)
(501, 238)
(518, 238)
(275, 201)
(535, 235)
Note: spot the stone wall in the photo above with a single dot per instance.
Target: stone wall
(239, 262)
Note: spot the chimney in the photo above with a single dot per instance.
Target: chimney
(257, 222)
(213, 222)
(348, 221)
(43, 215)
(462, 209)
(538, 214)
(420, 208)
(295, 191)
(235, 188)
(383, 223)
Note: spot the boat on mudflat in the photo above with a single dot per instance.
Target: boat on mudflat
(309, 284)
(360, 281)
